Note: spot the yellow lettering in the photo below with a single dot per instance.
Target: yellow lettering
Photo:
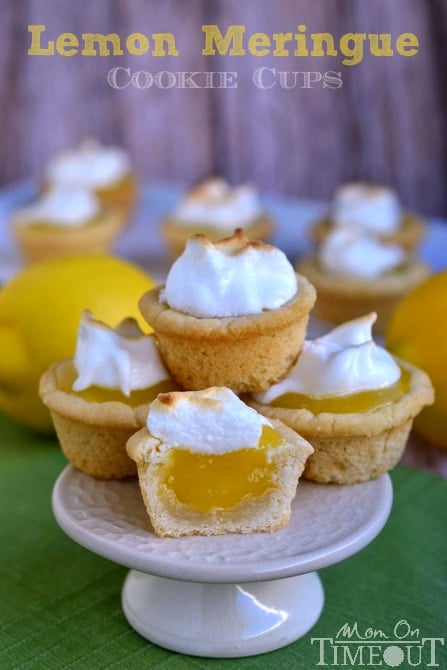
(259, 44)
(159, 49)
(318, 39)
(301, 46)
(354, 53)
(384, 49)
(103, 44)
(407, 44)
(137, 44)
(67, 44)
(35, 48)
(214, 40)
(281, 40)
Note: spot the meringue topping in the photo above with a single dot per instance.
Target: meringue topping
(350, 252)
(232, 277)
(372, 207)
(91, 165)
(61, 206)
(215, 203)
(343, 362)
(123, 358)
(211, 421)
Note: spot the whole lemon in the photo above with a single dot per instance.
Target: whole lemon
(40, 311)
(417, 332)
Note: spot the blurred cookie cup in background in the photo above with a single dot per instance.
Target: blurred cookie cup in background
(355, 273)
(105, 170)
(215, 208)
(64, 220)
(374, 209)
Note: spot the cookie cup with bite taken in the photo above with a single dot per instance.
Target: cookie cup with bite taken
(208, 464)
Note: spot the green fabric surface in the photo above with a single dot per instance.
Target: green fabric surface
(60, 604)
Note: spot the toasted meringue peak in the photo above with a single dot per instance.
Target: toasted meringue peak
(232, 277)
(116, 358)
(91, 164)
(351, 252)
(373, 207)
(214, 202)
(344, 361)
(211, 421)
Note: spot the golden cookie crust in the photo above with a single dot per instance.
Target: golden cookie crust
(92, 435)
(245, 353)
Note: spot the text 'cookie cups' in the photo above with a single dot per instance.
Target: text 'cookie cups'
(258, 312)
(354, 447)
(212, 489)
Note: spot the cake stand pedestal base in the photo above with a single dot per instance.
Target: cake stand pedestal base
(228, 595)
(222, 620)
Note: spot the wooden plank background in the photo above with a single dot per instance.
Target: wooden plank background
(388, 122)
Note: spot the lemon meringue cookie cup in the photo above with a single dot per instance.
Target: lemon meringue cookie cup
(64, 220)
(104, 170)
(352, 400)
(208, 464)
(100, 397)
(375, 209)
(355, 273)
(215, 208)
(232, 313)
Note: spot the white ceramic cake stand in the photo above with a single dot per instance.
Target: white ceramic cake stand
(228, 595)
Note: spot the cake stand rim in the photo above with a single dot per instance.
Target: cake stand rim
(264, 570)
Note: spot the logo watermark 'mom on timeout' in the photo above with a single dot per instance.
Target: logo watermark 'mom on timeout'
(373, 648)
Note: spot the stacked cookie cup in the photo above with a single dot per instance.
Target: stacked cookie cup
(229, 325)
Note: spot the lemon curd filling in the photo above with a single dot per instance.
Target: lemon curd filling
(366, 401)
(140, 397)
(209, 481)
(99, 394)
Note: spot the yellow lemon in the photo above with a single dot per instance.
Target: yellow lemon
(417, 332)
(40, 310)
